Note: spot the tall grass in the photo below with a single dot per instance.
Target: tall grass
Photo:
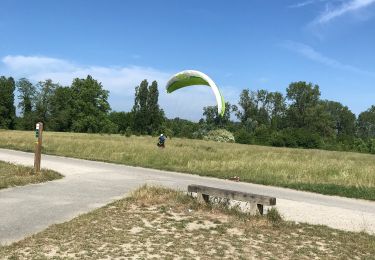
(327, 172)
(16, 175)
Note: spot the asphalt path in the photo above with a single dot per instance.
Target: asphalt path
(88, 185)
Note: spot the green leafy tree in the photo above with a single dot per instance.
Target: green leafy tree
(7, 108)
(305, 98)
(90, 106)
(182, 128)
(27, 96)
(213, 118)
(122, 120)
(248, 107)
(366, 123)
(148, 117)
(154, 113)
(306, 111)
(43, 106)
(261, 108)
(276, 109)
(343, 120)
(141, 117)
(61, 109)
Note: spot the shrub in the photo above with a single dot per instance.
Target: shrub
(286, 138)
(277, 139)
(360, 146)
(243, 137)
(372, 146)
(200, 133)
(220, 135)
(262, 135)
(307, 139)
(128, 131)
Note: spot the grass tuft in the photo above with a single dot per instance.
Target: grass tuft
(16, 175)
(274, 216)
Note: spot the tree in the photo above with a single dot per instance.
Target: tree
(261, 108)
(141, 117)
(213, 118)
(276, 110)
(304, 98)
(61, 109)
(148, 117)
(7, 108)
(343, 120)
(154, 113)
(248, 107)
(27, 95)
(45, 92)
(366, 123)
(90, 106)
(123, 120)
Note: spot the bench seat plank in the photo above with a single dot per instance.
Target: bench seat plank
(233, 195)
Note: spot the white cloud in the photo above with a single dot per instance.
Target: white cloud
(344, 8)
(312, 54)
(120, 81)
(301, 4)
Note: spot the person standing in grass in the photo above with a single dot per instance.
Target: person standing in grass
(161, 142)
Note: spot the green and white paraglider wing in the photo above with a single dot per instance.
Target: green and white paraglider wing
(192, 77)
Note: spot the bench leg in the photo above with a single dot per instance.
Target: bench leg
(260, 208)
(256, 209)
(202, 198)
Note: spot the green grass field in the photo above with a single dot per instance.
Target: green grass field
(156, 223)
(335, 173)
(16, 175)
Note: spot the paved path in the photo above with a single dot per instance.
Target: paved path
(88, 185)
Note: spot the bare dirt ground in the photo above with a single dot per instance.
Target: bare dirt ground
(162, 223)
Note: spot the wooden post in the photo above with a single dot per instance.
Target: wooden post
(38, 146)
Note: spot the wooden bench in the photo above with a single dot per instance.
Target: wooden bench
(256, 201)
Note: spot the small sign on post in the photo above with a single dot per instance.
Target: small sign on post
(38, 146)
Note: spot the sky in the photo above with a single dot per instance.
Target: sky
(242, 44)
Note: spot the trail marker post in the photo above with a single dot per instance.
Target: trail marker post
(38, 146)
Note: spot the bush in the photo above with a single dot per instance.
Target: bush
(286, 138)
(277, 139)
(128, 131)
(220, 135)
(243, 137)
(360, 146)
(372, 146)
(307, 139)
(200, 133)
(262, 135)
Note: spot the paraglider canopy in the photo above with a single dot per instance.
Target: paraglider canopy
(192, 77)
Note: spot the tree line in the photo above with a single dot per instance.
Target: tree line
(298, 119)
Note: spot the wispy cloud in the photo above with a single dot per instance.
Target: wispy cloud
(311, 54)
(120, 81)
(343, 8)
(302, 4)
(116, 79)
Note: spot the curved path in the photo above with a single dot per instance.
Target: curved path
(88, 185)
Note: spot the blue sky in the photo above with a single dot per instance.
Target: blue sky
(239, 44)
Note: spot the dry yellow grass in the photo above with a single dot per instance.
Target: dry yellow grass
(340, 173)
(158, 223)
(17, 175)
